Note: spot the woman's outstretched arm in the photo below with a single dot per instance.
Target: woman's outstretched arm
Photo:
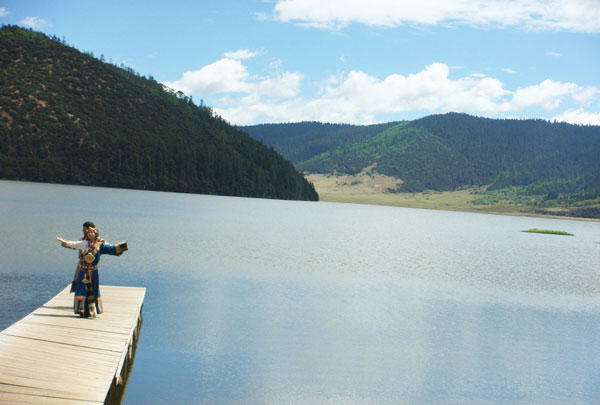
(79, 244)
(62, 241)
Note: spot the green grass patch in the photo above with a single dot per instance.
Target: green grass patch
(535, 230)
(510, 195)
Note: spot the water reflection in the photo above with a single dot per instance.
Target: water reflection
(297, 342)
(260, 301)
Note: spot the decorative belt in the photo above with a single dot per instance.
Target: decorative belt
(87, 267)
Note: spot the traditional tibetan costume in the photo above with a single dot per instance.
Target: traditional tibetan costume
(88, 300)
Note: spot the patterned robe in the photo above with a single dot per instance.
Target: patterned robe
(88, 300)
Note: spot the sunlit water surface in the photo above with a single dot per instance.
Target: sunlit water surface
(262, 301)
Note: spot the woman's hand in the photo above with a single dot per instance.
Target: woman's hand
(61, 240)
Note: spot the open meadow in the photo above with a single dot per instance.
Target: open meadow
(369, 188)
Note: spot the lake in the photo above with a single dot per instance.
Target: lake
(266, 301)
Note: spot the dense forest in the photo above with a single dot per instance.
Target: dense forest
(68, 117)
(558, 161)
(302, 141)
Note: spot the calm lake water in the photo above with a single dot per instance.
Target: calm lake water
(264, 301)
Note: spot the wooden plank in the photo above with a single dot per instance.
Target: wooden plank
(54, 356)
(75, 389)
(68, 336)
(117, 326)
(12, 344)
(37, 396)
(58, 370)
(30, 397)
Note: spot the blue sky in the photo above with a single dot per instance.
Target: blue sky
(346, 61)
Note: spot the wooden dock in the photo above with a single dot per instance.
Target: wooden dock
(52, 356)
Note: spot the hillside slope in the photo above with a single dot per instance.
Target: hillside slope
(454, 151)
(301, 141)
(67, 117)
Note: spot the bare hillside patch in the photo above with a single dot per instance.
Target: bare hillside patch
(365, 182)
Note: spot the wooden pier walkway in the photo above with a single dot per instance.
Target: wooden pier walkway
(52, 356)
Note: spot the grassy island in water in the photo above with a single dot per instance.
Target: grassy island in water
(535, 230)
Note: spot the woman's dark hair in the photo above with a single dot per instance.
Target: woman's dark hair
(87, 224)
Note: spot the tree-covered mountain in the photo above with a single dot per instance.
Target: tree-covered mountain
(67, 117)
(453, 151)
(301, 141)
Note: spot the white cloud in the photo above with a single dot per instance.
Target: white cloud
(548, 94)
(285, 85)
(578, 116)
(33, 22)
(550, 53)
(240, 54)
(554, 15)
(586, 95)
(3, 12)
(230, 75)
(509, 71)
(358, 95)
(223, 76)
(359, 98)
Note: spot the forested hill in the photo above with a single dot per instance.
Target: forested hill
(452, 151)
(68, 117)
(301, 141)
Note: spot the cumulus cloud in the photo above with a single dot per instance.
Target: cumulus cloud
(223, 76)
(578, 116)
(357, 97)
(230, 75)
(33, 22)
(554, 15)
(548, 94)
(360, 98)
(3, 12)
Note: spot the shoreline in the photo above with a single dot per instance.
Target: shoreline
(443, 202)
(374, 189)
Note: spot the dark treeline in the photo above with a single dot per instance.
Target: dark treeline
(67, 117)
(453, 151)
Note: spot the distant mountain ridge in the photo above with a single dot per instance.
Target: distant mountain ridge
(67, 117)
(302, 141)
(451, 151)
